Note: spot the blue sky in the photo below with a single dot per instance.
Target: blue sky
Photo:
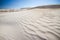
(26, 3)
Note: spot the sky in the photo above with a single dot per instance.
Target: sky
(25, 3)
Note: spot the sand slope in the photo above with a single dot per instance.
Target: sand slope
(32, 24)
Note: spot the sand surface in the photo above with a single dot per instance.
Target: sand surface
(33, 24)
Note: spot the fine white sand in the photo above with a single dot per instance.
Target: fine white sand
(33, 24)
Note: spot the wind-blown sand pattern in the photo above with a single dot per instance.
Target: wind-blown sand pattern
(33, 24)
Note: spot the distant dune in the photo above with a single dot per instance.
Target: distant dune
(49, 6)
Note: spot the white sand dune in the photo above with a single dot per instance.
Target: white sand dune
(33, 24)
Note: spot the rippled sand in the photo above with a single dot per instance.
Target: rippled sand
(33, 24)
